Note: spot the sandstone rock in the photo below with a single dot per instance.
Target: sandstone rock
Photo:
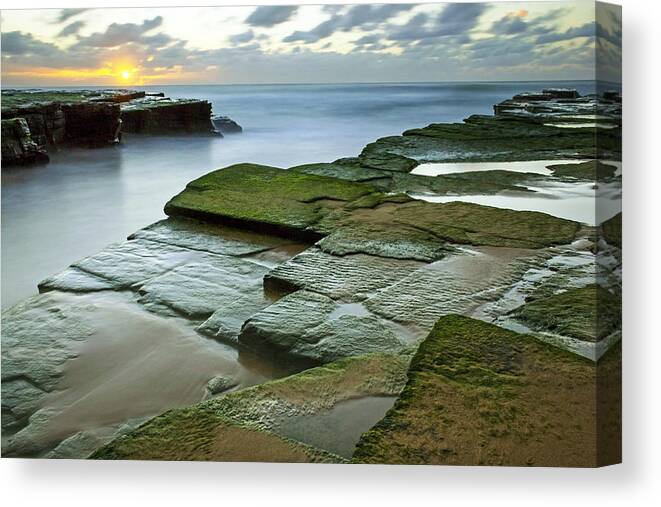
(456, 284)
(18, 148)
(92, 123)
(350, 277)
(311, 328)
(398, 242)
(182, 267)
(38, 337)
(165, 116)
(220, 384)
(207, 237)
(226, 322)
(198, 289)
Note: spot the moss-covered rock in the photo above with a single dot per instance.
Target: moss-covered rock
(588, 313)
(462, 222)
(266, 199)
(304, 205)
(489, 139)
(198, 434)
(344, 170)
(252, 424)
(481, 395)
(471, 183)
(593, 170)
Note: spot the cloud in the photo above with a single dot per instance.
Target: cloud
(364, 16)
(268, 16)
(389, 43)
(121, 33)
(242, 38)
(458, 19)
(455, 21)
(66, 14)
(368, 39)
(414, 29)
(24, 44)
(71, 29)
(586, 30)
(509, 25)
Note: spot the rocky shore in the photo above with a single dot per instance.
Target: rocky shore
(398, 329)
(35, 121)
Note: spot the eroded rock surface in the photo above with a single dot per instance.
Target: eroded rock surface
(312, 328)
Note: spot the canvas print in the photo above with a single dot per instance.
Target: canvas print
(365, 234)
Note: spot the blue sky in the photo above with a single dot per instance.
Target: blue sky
(310, 43)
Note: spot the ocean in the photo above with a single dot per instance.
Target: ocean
(85, 199)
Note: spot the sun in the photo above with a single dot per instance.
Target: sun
(125, 74)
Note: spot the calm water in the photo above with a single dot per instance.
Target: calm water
(85, 199)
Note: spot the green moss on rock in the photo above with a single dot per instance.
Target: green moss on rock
(588, 313)
(488, 138)
(462, 222)
(266, 199)
(478, 394)
(593, 170)
(297, 204)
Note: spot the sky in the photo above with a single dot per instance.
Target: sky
(311, 44)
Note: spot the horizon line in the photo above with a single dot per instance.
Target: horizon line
(309, 83)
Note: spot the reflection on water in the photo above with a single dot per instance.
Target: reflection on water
(338, 429)
(528, 166)
(573, 201)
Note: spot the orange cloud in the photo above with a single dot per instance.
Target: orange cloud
(521, 13)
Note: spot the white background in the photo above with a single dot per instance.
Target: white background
(31, 482)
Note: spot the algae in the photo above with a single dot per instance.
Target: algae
(478, 394)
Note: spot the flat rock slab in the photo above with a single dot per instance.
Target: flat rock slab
(352, 277)
(398, 242)
(457, 284)
(198, 289)
(478, 394)
(490, 139)
(38, 338)
(187, 268)
(210, 238)
(590, 313)
(270, 412)
(357, 216)
(312, 328)
(265, 199)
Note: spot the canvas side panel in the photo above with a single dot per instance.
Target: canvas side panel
(608, 210)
